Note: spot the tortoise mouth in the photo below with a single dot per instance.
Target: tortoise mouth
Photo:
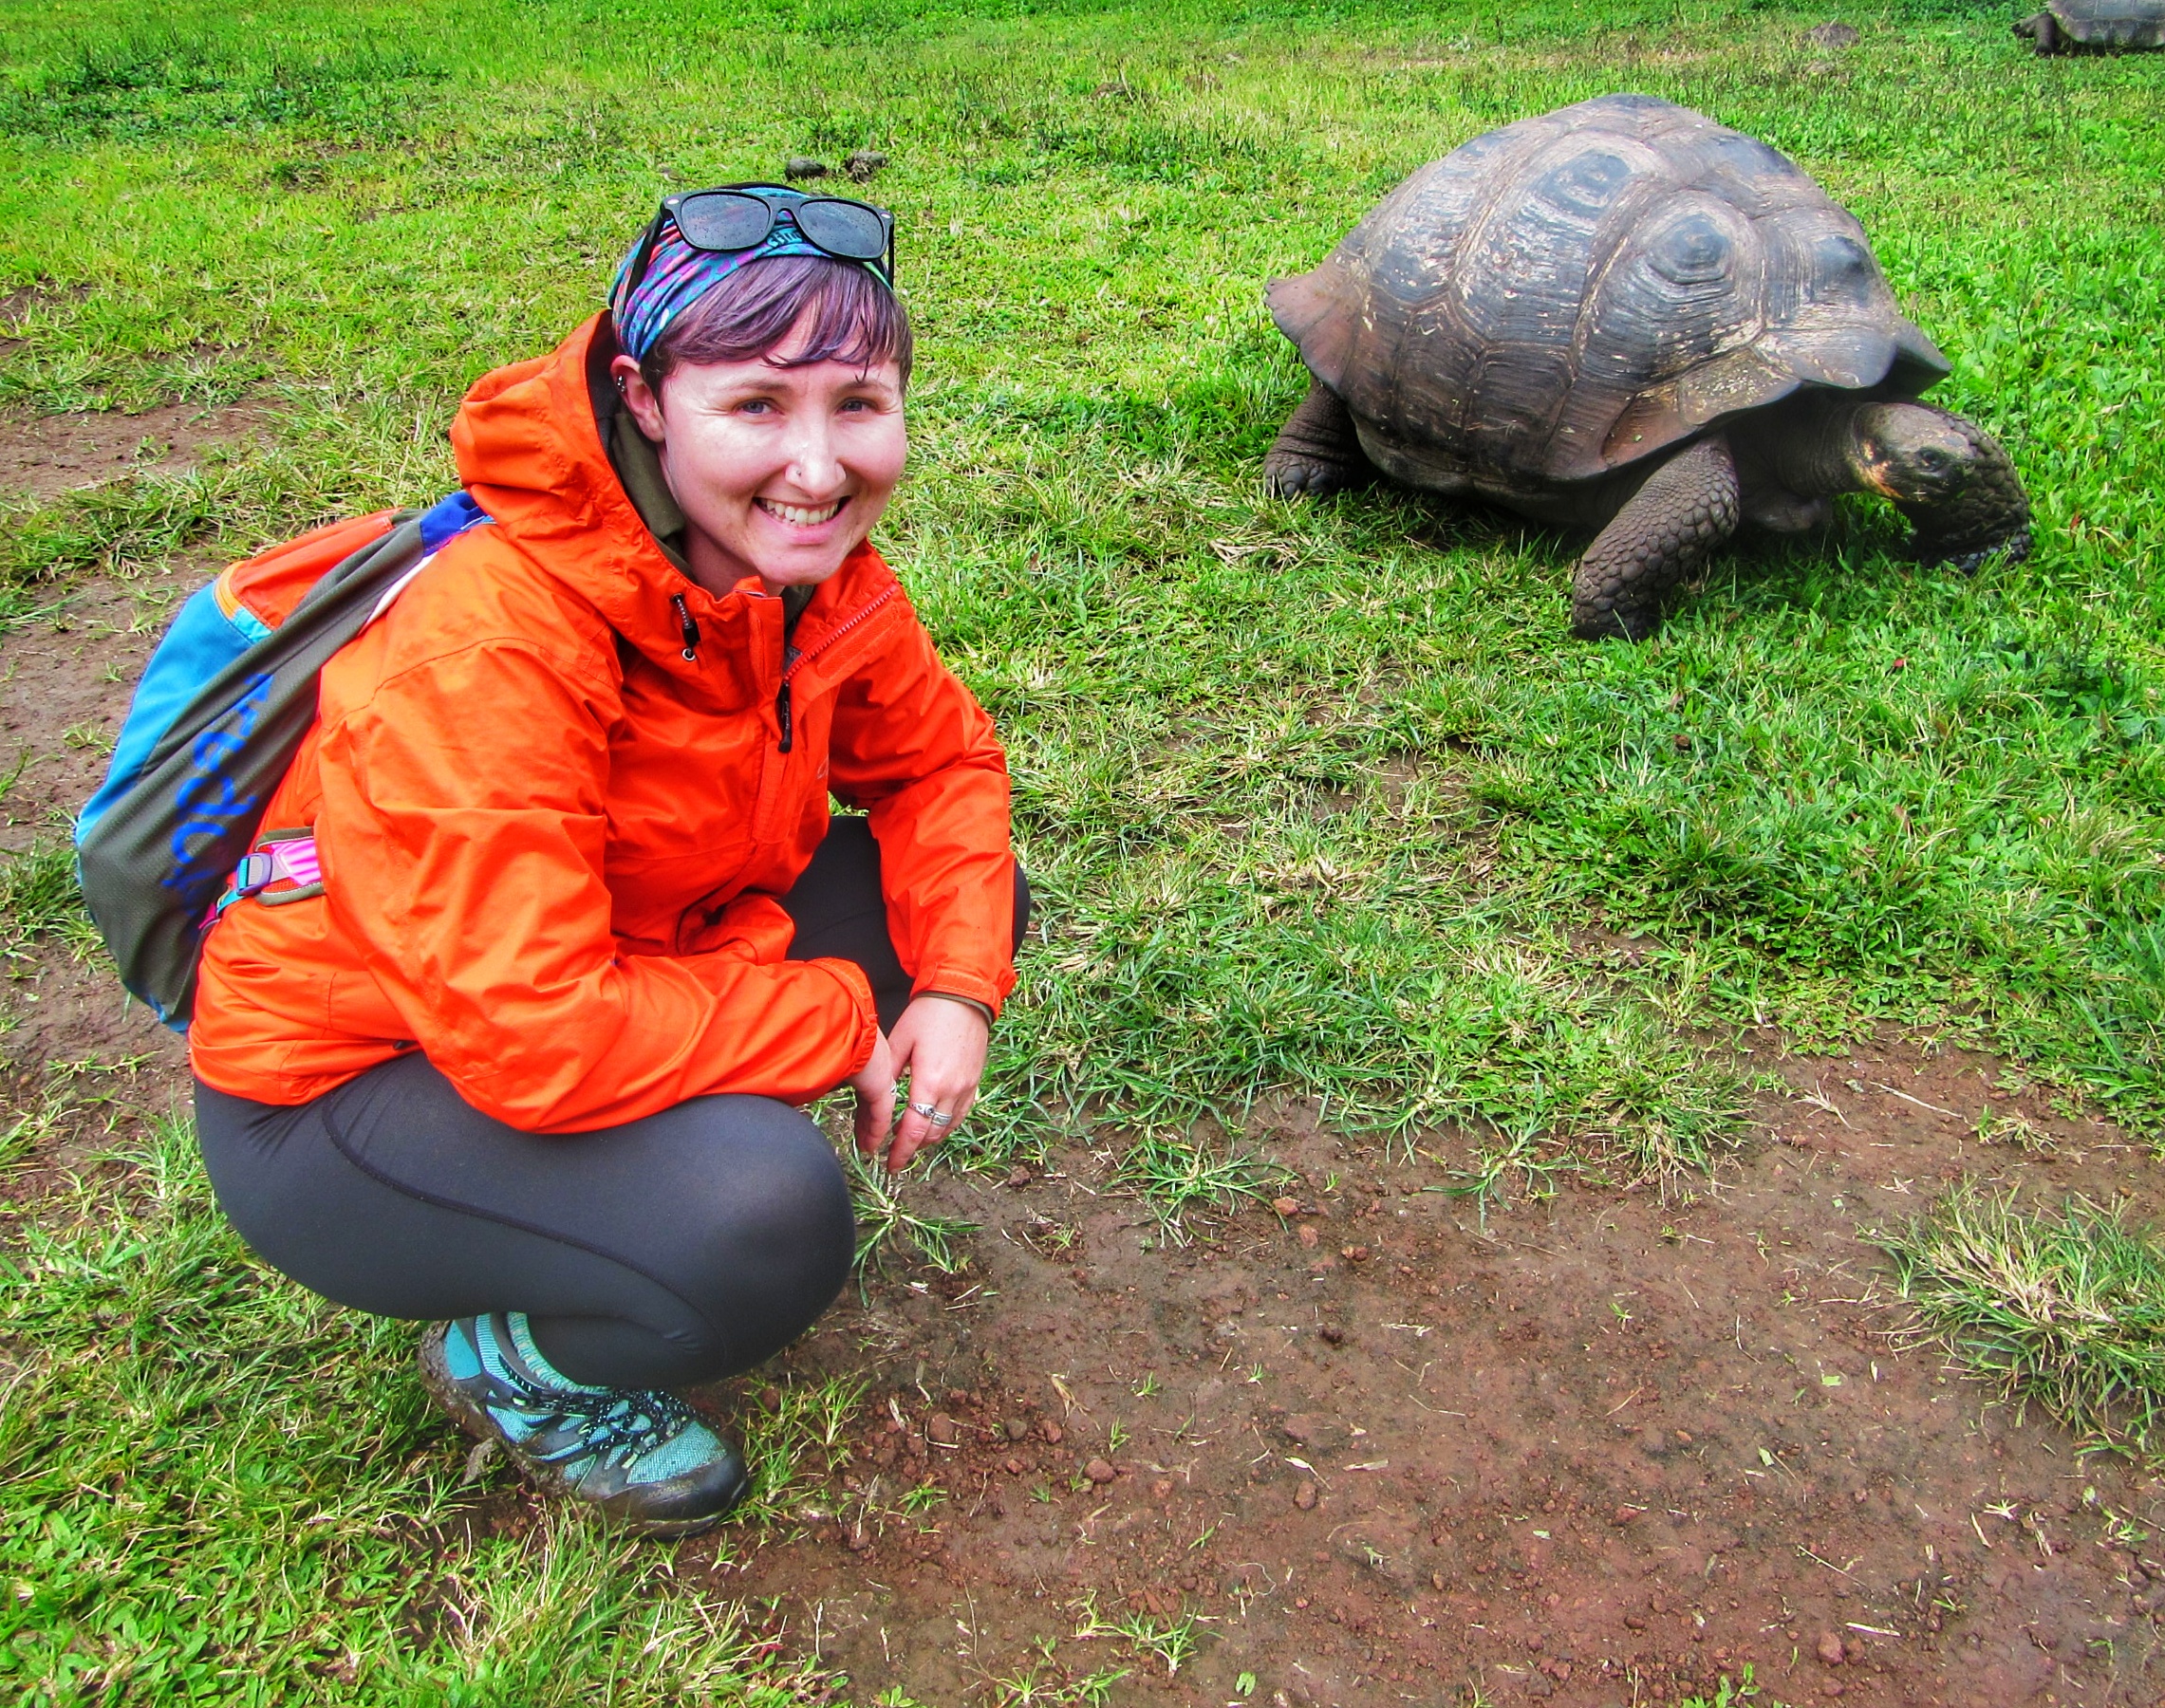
(1969, 555)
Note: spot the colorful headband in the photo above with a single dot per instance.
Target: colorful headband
(678, 276)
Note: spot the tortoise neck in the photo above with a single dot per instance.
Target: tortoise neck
(1811, 446)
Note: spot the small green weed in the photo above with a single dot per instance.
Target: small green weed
(1727, 1695)
(1521, 1157)
(1172, 1641)
(1177, 1180)
(1997, 1127)
(805, 1428)
(2068, 1310)
(885, 1221)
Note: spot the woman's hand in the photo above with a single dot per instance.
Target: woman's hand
(942, 1046)
(874, 1087)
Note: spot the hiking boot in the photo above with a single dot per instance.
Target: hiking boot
(642, 1457)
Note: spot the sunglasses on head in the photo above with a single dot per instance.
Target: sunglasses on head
(743, 216)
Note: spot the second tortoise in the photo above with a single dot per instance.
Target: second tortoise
(2108, 26)
(1625, 317)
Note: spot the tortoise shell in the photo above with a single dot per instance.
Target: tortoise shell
(2111, 22)
(1567, 295)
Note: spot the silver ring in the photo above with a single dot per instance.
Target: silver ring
(939, 1118)
(925, 1109)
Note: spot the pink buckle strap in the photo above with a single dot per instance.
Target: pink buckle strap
(290, 856)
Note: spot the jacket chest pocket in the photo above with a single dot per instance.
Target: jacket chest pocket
(786, 780)
(782, 788)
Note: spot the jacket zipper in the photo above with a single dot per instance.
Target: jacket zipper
(793, 661)
(688, 625)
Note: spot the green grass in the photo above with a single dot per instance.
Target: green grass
(1315, 798)
(220, 1489)
(2067, 1310)
(887, 1226)
(1308, 791)
(39, 899)
(1731, 1695)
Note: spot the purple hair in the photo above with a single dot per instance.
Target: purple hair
(850, 317)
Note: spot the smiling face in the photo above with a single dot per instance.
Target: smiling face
(779, 471)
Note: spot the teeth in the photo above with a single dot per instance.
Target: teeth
(801, 517)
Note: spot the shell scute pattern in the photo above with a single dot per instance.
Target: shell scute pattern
(1568, 294)
(1741, 169)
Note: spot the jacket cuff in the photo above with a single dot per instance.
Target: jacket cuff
(967, 986)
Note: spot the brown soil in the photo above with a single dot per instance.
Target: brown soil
(1381, 1448)
(1600, 1450)
(65, 681)
(43, 457)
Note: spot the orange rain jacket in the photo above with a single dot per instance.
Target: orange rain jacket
(552, 845)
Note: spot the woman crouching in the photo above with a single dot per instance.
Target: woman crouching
(587, 937)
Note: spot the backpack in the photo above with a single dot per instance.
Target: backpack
(170, 839)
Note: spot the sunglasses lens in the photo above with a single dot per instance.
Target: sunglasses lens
(723, 220)
(843, 228)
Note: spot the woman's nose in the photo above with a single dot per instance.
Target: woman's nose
(814, 463)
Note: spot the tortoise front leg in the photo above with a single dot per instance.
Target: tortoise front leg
(2043, 29)
(1686, 507)
(1316, 451)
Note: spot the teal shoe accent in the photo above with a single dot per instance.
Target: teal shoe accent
(641, 1455)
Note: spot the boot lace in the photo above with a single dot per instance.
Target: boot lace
(632, 1422)
(619, 1424)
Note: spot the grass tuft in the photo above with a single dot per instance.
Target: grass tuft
(887, 1224)
(40, 899)
(2069, 1312)
(1177, 1180)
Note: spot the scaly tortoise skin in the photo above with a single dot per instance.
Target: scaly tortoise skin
(1625, 317)
(2109, 25)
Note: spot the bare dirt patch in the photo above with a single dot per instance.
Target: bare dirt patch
(1597, 1451)
(66, 682)
(43, 457)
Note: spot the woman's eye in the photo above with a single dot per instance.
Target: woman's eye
(754, 406)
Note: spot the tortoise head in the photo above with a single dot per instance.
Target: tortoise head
(1950, 477)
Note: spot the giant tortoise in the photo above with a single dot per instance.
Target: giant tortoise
(1623, 316)
(2111, 25)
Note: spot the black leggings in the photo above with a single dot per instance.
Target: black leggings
(667, 1252)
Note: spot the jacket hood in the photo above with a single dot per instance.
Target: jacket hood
(530, 452)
